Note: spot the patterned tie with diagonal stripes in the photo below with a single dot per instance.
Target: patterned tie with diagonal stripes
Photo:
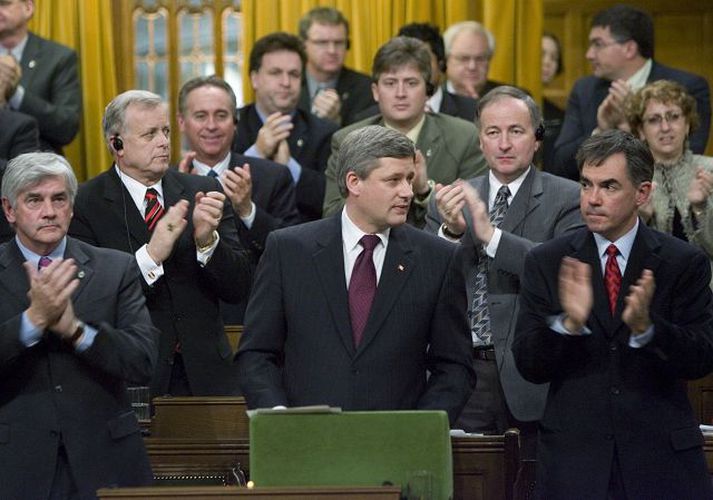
(154, 210)
(612, 277)
(479, 315)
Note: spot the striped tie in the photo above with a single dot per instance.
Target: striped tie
(612, 277)
(154, 210)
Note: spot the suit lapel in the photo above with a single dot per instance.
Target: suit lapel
(30, 56)
(121, 203)
(429, 141)
(81, 259)
(525, 201)
(585, 250)
(398, 266)
(13, 276)
(329, 262)
(299, 135)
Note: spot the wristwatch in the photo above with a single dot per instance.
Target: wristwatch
(203, 248)
(78, 331)
(449, 233)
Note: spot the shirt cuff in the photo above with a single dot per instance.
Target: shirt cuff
(642, 339)
(295, 169)
(29, 333)
(204, 256)
(492, 247)
(150, 270)
(556, 324)
(87, 339)
(248, 221)
(16, 100)
(253, 152)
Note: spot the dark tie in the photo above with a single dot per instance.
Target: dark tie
(154, 210)
(43, 262)
(362, 286)
(612, 277)
(479, 314)
(212, 173)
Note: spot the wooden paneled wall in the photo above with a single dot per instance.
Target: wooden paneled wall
(684, 37)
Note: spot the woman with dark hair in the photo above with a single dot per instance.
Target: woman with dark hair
(664, 114)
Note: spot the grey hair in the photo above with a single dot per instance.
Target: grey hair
(29, 169)
(469, 26)
(502, 91)
(362, 149)
(115, 113)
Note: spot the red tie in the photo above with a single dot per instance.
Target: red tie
(612, 277)
(154, 210)
(362, 286)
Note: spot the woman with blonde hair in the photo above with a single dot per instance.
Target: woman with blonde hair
(664, 114)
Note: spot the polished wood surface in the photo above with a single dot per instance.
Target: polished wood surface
(327, 493)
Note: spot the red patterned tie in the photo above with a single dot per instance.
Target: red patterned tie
(154, 210)
(612, 277)
(362, 286)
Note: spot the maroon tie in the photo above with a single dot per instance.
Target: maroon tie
(43, 262)
(612, 277)
(362, 286)
(154, 210)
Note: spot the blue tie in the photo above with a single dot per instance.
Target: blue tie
(212, 173)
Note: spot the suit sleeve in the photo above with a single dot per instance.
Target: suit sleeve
(58, 119)
(26, 137)
(128, 349)
(700, 90)
(572, 134)
(281, 212)
(261, 349)
(449, 362)
(333, 201)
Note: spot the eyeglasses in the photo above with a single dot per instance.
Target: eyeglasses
(465, 59)
(324, 44)
(671, 117)
(598, 45)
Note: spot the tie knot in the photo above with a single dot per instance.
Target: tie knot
(151, 194)
(369, 242)
(504, 192)
(612, 250)
(212, 173)
(43, 262)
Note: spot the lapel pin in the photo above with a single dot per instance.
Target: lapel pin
(428, 153)
(80, 274)
(401, 267)
(300, 142)
(31, 64)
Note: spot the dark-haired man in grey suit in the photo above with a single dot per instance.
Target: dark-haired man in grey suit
(497, 231)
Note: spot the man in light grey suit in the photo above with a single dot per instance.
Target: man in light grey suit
(401, 76)
(538, 207)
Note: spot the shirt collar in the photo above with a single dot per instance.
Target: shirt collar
(623, 244)
(263, 116)
(137, 190)
(639, 79)
(220, 167)
(34, 258)
(18, 49)
(436, 100)
(414, 132)
(514, 186)
(351, 234)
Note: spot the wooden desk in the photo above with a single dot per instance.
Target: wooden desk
(331, 493)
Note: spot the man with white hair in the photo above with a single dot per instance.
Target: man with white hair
(469, 49)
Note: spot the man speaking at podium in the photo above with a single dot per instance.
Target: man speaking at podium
(360, 310)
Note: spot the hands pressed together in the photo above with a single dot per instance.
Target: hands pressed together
(50, 296)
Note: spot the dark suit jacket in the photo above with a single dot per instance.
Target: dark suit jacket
(588, 93)
(309, 145)
(354, 91)
(274, 196)
(49, 390)
(544, 207)
(184, 302)
(297, 348)
(52, 91)
(607, 397)
(449, 145)
(18, 134)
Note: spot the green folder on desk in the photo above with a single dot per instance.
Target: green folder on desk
(407, 448)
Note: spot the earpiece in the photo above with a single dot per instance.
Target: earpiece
(117, 143)
(430, 89)
(540, 132)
